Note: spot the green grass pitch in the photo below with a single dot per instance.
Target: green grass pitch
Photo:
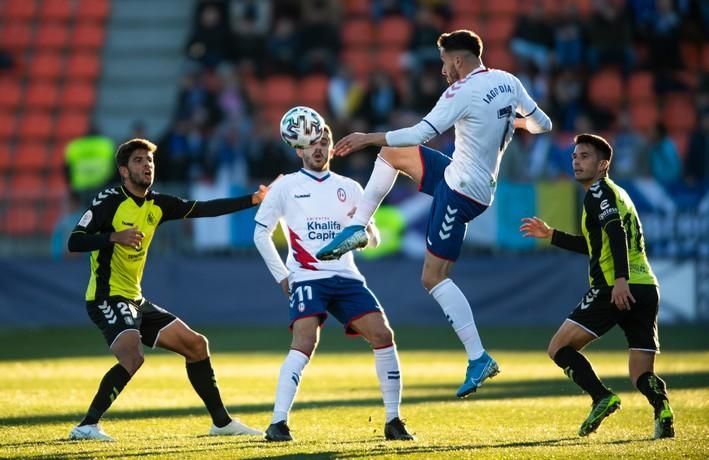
(47, 378)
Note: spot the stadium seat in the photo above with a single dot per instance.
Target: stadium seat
(10, 93)
(605, 89)
(356, 8)
(78, 94)
(502, 8)
(41, 95)
(7, 125)
(30, 156)
(56, 10)
(88, 35)
(313, 91)
(394, 32)
(640, 86)
(280, 90)
(50, 215)
(83, 66)
(691, 55)
(26, 185)
(36, 125)
(21, 220)
(96, 10)
(4, 162)
(644, 115)
(466, 7)
(389, 60)
(46, 65)
(357, 33)
(498, 56)
(19, 10)
(52, 35)
(71, 124)
(15, 35)
(499, 30)
(469, 22)
(359, 62)
(679, 113)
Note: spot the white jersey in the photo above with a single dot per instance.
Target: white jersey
(482, 108)
(312, 211)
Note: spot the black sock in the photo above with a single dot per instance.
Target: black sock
(111, 385)
(654, 389)
(577, 368)
(202, 378)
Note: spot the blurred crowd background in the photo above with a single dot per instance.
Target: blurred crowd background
(634, 71)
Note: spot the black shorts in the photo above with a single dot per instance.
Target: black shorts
(597, 314)
(118, 314)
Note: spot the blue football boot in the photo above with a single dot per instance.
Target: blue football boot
(351, 237)
(478, 370)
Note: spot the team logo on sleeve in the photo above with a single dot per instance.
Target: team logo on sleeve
(341, 195)
(86, 218)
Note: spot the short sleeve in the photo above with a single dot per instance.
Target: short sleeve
(600, 203)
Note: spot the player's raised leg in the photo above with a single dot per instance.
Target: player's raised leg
(389, 162)
(374, 327)
(563, 350)
(178, 337)
(306, 333)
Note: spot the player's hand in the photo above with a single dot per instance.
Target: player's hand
(620, 295)
(258, 196)
(351, 143)
(131, 237)
(285, 287)
(535, 227)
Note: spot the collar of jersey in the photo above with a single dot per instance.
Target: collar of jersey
(139, 200)
(480, 69)
(312, 175)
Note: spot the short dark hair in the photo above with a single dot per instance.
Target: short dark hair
(126, 149)
(461, 40)
(601, 145)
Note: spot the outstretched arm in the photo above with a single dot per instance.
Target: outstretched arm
(221, 206)
(537, 228)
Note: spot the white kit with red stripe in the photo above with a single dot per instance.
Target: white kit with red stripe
(312, 208)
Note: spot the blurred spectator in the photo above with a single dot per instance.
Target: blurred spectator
(380, 100)
(425, 89)
(665, 164)
(252, 14)
(283, 46)
(250, 39)
(696, 166)
(233, 101)
(569, 38)
(383, 8)
(515, 163)
(567, 97)
(428, 26)
(195, 98)
(629, 147)
(89, 165)
(664, 41)
(6, 61)
(267, 155)
(533, 38)
(344, 94)
(227, 153)
(209, 43)
(319, 38)
(609, 36)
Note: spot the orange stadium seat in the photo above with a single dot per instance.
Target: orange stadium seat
(4, 161)
(26, 185)
(394, 31)
(389, 60)
(36, 125)
(468, 22)
(88, 35)
(52, 35)
(30, 156)
(499, 30)
(507, 8)
(466, 7)
(691, 55)
(19, 10)
(498, 56)
(51, 214)
(78, 94)
(313, 89)
(46, 65)
(10, 93)
(357, 7)
(56, 10)
(640, 86)
(15, 35)
(7, 125)
(20, 220)
(280, 90)
(357, 33)
(71, 124)
(644, 115)
(679, 113)
(605, 89)
(96, 10)
(41, 95)
(83, 66)
(360, 62)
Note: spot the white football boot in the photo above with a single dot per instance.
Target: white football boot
(89, 432)
(234, 428)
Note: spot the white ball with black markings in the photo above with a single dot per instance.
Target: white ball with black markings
(301, 127)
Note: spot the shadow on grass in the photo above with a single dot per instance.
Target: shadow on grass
(87, 341)
(495, 390)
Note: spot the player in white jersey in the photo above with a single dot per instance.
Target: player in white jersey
(312, 205)
(485, 106)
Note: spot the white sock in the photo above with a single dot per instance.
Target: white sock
(458, 312)
(288, 383)
(380, 182)
(386, 361)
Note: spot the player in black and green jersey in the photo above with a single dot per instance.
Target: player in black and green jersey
(117, 229)
(624, 290)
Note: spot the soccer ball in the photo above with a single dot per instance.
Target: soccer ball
(301, 127)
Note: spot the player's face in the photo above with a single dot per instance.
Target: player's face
(587, 163)
(448, 69)
(317, 157)
(141, 169)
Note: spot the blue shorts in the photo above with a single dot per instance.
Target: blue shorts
(450, 210)
(347, 299)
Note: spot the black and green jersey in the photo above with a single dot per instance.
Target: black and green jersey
(612, 237)
(117, 270)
